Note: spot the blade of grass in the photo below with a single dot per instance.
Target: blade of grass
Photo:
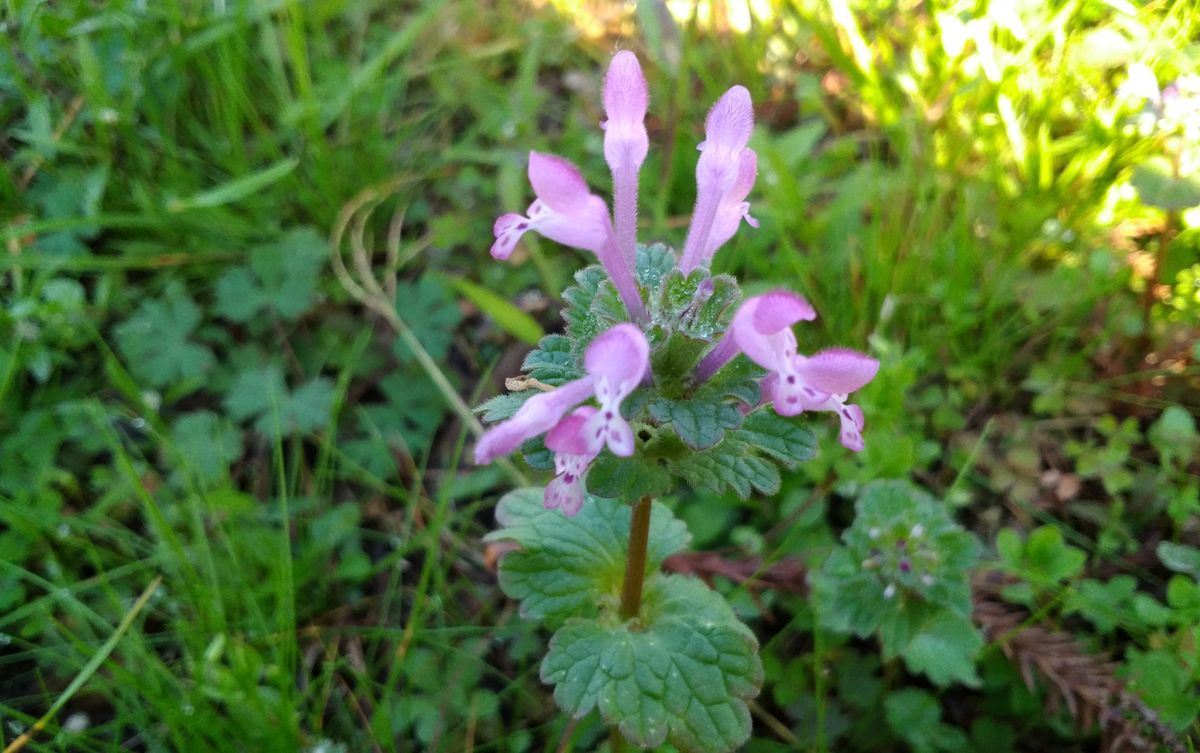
(89, 669)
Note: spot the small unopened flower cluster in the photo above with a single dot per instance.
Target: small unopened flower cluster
(582, 417)
(903, 559)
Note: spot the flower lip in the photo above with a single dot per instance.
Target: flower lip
(761, 327)
(567, 435)
(558, 183)
(729, 122)
(620, 354)
(837, 370)
(779, 310)
(625, 93)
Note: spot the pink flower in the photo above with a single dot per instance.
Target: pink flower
(762, 330)
(719, 169)
(625, 145)
(616, 362)
(565, 210)
(733, 207)
(568, 212)
(625, 100)
(572, 458)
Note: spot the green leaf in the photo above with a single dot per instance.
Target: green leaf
(1159, 186)
(699, 423)
(566, 565)
(254, 391)
(507, 316)
(261, 394)
(1044, 558)
(781, 438)
(714, 315)
(1180, 557)
(627, 479)
(429, 309)
(673, 360)
(737, 379)
(916, 716)
(156, 340)
(1174, 434)
(730, 466)
(553, 361)
(654, 263)
(1165, 683)
(944, 649)
(411, 413)
(280, 278)
(680, 673)
(305, 409)
(208, 443)
(502, 407)
(582, 325)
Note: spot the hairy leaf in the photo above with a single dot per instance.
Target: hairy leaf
(627, 479)
(567, 564)
(781, 438)
(680, 673)
(731, 465)
(699, 423)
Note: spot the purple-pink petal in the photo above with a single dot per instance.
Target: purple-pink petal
(559, 184)
(620, 354)
(837, 370)
(587, 228)
(733, 207)
(851, 434)
(508, 229)
(730, 121)
(762, 327)
(625, 99)
(564, 494)
(625, 94)
(536, 416)
(567, 435)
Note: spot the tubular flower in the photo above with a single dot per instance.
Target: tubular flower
(566, 211)
(572, 458)
(727, 131)
(733, 207)
(625, 145)
(762, 330)
(616, 362)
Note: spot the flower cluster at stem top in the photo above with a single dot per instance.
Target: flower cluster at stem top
(618, 360)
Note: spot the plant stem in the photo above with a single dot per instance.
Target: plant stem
(616, 743)
(635, 564)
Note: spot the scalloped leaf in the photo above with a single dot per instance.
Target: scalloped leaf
(654, 263)
(582, 325)
(567, 566)
(783, 439)
(681, 672)
(553, 361)
(502, 407)
(738, 379)
(627, 479)
(945, 648)
(730, 466)
(698, 422)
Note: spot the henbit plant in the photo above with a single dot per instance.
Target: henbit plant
(653, 337)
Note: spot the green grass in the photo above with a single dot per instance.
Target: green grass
(317, 527)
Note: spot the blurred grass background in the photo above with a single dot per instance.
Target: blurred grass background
(187, 392)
